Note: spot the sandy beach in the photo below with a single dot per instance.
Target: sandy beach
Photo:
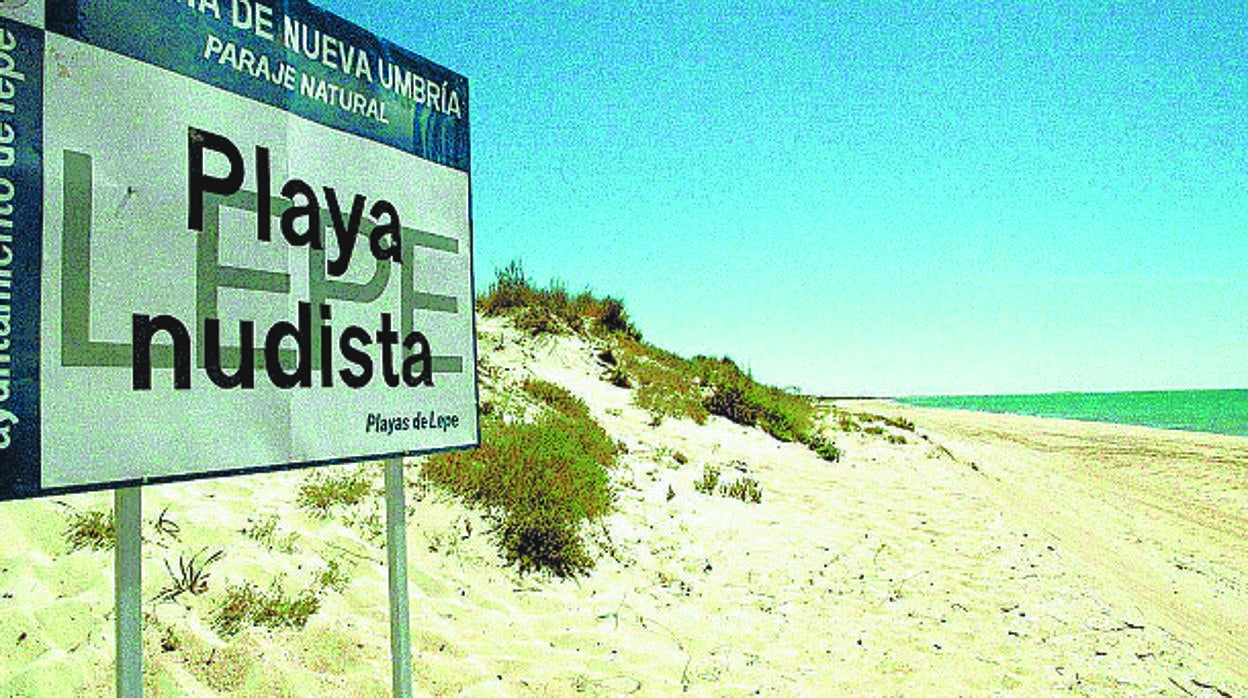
(973, 555)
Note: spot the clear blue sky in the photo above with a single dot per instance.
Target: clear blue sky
(880, 198)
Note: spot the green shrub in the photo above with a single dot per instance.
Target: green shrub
(845, 422)
(617, 377)
(332, 577)
(730, 401)
(709, 482)
(734, 394)
(783, 423)
(94, 530)
(535, 321)
(588, 434)
(610, 318)
(321, 491)
(822, 446)
(261, 530)
(899, 423)
(553, 309)
(535, 542)
(556, 397)
(746, 489)
(878, 428)
(540, 482)
(666, 383)
(246, 604)
(511, 289)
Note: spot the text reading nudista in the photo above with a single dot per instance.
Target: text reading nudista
(299, 210)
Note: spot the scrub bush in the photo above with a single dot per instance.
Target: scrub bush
(822, 446)
(539, 482)
(93, 530)
(899, 423)
(735, 394)
(246, 604)
(511, 289)
(746, 489)
(666, 383)
(709, 481)
(553, 309)
(321, 491)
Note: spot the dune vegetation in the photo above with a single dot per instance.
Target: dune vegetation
(543, 477)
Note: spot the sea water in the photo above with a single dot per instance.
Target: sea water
(1216, 411)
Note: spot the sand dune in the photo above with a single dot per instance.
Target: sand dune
(986, 555)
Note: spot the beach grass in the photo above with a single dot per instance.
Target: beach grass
(323, 490)
(246, 605)
(667, 385)
(553, 309)
(90, 530)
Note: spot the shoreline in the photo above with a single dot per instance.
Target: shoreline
(888, 402)
(901, 402)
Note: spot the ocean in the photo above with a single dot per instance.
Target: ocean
(1215, 411)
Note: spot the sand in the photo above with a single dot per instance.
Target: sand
(986, 555)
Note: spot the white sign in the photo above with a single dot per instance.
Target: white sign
(239, 238)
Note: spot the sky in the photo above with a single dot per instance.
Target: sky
(875, 198)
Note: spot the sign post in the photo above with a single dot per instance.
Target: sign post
(235, 237)
(396, 567)
(128, 583)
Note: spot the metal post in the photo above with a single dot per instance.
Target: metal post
(396, 561)
(128, 585)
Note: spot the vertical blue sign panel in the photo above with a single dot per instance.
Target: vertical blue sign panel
(21, 229)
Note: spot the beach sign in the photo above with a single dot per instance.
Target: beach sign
(234, 236)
